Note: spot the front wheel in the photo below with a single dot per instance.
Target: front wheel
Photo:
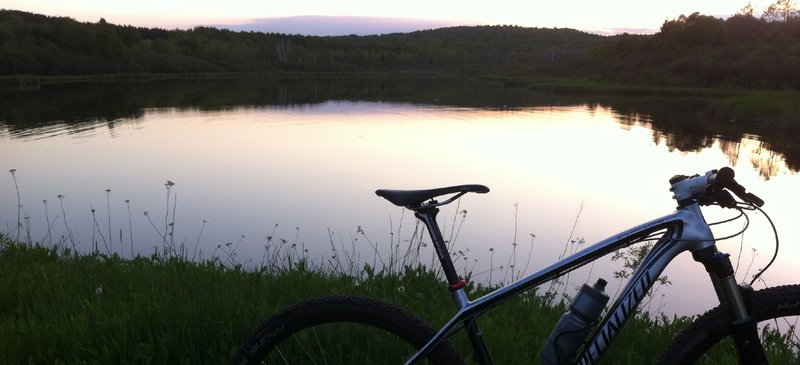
(342, 330)
(709, 339)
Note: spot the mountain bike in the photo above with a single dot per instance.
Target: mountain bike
(393, 335)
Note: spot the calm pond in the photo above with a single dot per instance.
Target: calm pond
(237, 169)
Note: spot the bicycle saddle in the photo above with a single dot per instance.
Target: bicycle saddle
(417, 197)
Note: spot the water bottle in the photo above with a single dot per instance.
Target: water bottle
(574, 326)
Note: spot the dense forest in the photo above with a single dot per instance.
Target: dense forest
(41, 45)
(743, 51)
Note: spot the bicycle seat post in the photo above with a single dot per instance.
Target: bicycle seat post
(428, 216)
(424, 205)
(455, 284)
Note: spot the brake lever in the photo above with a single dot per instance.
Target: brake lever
(740, 191)
(719, 197)
(725, 199)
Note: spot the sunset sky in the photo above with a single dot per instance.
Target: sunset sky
(611, 16)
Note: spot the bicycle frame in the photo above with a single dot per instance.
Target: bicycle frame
(685, 230)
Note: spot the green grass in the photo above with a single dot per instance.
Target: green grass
(57, 307)
(23, 82)
(60, 308)
(778, 108)
(578, 86)
(781, 108)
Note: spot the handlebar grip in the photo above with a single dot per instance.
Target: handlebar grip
(725, 179)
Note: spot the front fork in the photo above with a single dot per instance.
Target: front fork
(738, 299)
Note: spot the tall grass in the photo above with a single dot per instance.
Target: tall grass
(57, 306)
(779, 108)
(102, 230)
(583, 86)
(60, 307)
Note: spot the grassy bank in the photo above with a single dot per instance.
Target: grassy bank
(26, 82)
(57, 307)
(779, 108)
(582, 86)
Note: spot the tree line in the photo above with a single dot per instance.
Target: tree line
(42, 45)
(742, 51)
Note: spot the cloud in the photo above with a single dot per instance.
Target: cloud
(613, 31)
(339, 25)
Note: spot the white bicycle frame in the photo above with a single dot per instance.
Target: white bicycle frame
(684, 230)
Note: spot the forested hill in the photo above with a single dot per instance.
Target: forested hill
(42, 45)
(696, 50)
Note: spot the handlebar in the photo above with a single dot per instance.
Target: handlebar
(711, 188)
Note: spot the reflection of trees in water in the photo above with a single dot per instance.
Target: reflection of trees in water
(732, 150)
(682, 124)
(682, 141)
(73, 127)
(698, 134)
(81, 105)
(767, 161)
(762, 157)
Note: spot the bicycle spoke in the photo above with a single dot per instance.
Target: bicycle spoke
(319, 345)
(280, 353)
(303, 348)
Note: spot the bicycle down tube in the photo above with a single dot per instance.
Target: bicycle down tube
(684, 230)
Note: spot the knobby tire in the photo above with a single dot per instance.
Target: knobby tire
(273, 340)
(707, 340)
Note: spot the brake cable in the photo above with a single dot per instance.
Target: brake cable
(777, 244)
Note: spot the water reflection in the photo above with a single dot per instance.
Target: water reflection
(243, 162)
(763, 158)
(76, 109)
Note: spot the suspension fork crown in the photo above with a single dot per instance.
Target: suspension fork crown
(718, 265)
